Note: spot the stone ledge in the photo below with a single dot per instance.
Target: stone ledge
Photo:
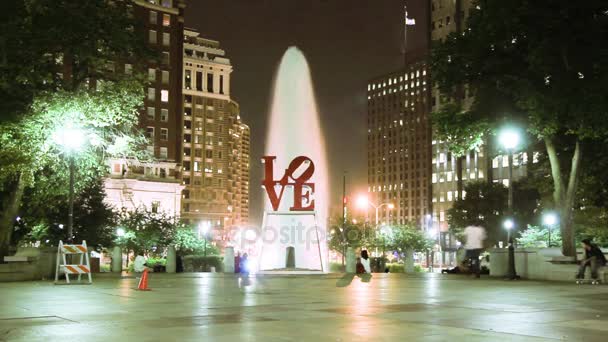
(20, 258)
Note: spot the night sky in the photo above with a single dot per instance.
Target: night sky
(346, 43)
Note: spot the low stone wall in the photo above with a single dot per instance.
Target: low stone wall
(41, 266)
(536, 264)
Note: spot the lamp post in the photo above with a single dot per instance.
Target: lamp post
(363, 202)
(203, 229)
(509, 139)
(71, 139)
(549, 220)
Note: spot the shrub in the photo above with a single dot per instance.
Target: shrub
(396, 268)
(335, 267)
(197, 263)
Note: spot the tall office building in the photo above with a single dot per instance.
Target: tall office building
(215, 140)
(155, 185)
(399, 144)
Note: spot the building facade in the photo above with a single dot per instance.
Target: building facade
(215, 167)
(153, 185)
(399, 144)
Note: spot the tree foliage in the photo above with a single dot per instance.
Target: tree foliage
(94, 220)
(485, 204)
(538, 63)
(538, 237)
(44, 40)
(401, 238)
(145, 231)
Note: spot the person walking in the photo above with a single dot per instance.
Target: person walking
(475, 236)
(594, 258)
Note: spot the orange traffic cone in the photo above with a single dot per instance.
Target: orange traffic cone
(143, 281)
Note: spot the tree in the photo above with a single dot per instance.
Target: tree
(41, 64)
(48, 45)
(485, 204)
(350, 234)
(145, 231)
(94, 220)
(537, 236)
(402, 238)
(542, 59)
(187, 242)
(32, 159)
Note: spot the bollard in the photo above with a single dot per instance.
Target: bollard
(290, 257)
(409, 260)
(229, 260)
(351, 260)
(171, 260)
(116, 260)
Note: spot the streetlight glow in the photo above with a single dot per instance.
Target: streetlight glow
(549, 219)
(509, 224)
(70, 138)
(362, 202)
(509, 138)
(120, 232)
(391, 206)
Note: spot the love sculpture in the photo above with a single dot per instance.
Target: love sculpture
(302, 189)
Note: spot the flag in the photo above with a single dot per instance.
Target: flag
(409, 21)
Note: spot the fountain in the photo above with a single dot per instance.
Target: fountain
(296, 220)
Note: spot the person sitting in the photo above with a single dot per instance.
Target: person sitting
(359, 268)
(365, 261)
(594, 258)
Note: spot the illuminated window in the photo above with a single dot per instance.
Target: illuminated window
(505, 161)
(449, 175)
(535, 156)
(151, 74)
(505, 182)
(166, 20)
(165, 77)
(449, 196)
(164, 95)
(495, 162)
(164, 134)
(441, 216)
(166, 39)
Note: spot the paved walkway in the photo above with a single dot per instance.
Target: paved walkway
(390, 307)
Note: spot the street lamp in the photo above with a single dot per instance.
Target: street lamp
(203, 229)
(363, 202)
(549, 220)
(71, 139)
(120, 232)
(510, 138)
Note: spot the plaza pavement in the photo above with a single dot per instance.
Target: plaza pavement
(333, 307)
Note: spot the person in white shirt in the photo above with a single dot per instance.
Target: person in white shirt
(475, 237)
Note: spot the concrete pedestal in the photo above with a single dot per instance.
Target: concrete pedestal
(290, 257)
(409, 261)
(229, 260)
(171, 260)
(116, 260)
(351, 260)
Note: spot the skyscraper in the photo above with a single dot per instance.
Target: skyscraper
(398, 144)
(215, 140)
